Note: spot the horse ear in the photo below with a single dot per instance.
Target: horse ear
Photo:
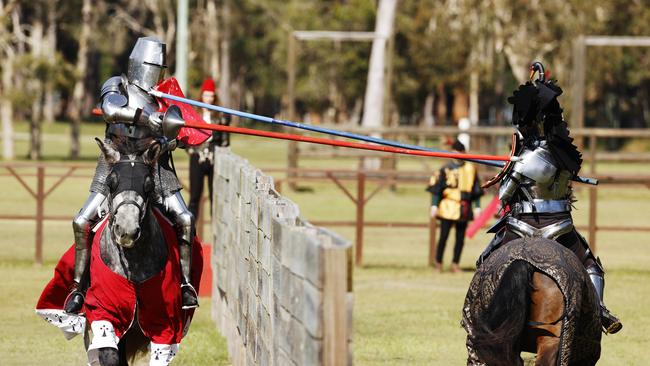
(152, 154)
(112, 156)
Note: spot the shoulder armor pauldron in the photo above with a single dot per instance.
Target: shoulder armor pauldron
(537, 164)
(112, 85)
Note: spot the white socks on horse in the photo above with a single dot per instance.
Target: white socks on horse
(104, 337)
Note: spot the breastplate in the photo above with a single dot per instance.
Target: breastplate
(542, 186)
(136, 99)
(557, 188)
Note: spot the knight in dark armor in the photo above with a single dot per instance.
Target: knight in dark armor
(535, 190)
(133, 116)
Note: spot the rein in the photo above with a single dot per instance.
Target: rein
(142, 206)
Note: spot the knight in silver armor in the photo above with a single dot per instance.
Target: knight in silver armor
(132, 116)
(535, 189)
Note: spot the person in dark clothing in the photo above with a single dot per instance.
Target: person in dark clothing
(454, 188)
(202, 156)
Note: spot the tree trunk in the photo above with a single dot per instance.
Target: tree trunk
(6, 106)
(473, 97)
(373, 104)
(224, 78)
(441, 109)
(212, 37)
(81, 68)
(373, 111)
(50, 52)
(427, 112)
(36, 89)
(461, 104)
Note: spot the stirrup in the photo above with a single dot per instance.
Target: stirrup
(74, 302)
(611, 324)
(189, 303)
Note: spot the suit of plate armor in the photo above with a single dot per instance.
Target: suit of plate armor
(536, 189)
(132, 114)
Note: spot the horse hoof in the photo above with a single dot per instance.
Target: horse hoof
(109, 357)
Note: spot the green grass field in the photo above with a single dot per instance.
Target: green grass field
(404, 314)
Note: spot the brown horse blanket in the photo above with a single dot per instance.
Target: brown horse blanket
(581, 329)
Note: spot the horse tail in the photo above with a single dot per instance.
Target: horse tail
(498, 330)
(132, 345)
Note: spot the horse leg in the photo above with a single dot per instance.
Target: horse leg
(547, 306)
(109, 356)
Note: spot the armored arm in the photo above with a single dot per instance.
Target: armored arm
(533, 165)
(509, 186)
(116, 109)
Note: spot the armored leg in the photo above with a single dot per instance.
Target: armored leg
(184, 221)
(611, 324)
(81, 227)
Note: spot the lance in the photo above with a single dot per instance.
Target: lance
(401, 148)
(348, 144)
(303, 126)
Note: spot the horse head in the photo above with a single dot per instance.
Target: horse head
(131, 186)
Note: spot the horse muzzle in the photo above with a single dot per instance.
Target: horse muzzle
(126, 239)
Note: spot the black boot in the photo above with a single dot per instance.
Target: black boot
(611, 324)
(189, 297)
(75, 300)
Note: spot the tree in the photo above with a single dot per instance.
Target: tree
(81, 68)
(8, 15)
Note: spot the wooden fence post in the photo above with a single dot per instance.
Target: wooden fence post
(361, 186)
(335, 311)
(40, 197)
(593, 194)
(433, 227)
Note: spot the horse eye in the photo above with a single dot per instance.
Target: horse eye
(148, 184)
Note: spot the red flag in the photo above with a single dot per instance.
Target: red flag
(480, 221)
(188, 136)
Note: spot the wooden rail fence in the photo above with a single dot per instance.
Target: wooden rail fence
(341, 178)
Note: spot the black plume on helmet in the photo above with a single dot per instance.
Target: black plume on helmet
(537, 109)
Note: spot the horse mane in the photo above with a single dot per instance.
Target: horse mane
(503, 323)
(127, 146)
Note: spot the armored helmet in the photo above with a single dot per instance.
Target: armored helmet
(537, 115)
(536, 109)
(147, 63)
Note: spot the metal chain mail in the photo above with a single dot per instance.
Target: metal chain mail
(581, 329)
(165, 180)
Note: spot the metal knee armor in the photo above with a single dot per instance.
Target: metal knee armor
(184, 221)
(81, 227)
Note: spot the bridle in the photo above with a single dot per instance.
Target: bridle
(141, 192)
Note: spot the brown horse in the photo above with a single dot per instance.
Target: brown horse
(532, 295)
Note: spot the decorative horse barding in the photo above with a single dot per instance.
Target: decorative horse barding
(133, 300)
(532, 295)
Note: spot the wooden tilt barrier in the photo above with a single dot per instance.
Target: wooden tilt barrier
(282, 287)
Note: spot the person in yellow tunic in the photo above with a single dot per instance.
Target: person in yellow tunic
(454, 189)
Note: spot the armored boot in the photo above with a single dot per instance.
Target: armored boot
(188, 292)
(185, 225)
(81, 227)
(611, 324)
